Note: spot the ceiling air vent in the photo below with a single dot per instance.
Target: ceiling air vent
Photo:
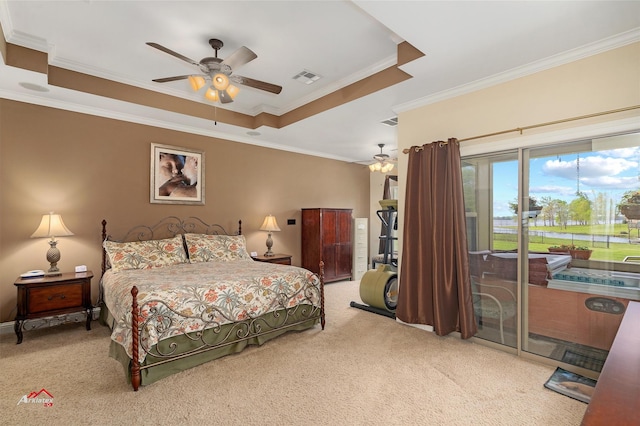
(391, 122)
(306, 77)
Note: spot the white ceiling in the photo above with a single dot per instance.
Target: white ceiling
(468, 45)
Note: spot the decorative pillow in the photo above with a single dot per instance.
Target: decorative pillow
(145, 254)
(216, 248)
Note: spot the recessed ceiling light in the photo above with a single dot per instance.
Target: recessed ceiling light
(34, 87)
(253, 133)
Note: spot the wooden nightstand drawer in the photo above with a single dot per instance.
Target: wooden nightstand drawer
(280, 259)
(283, 261)
(54, 298)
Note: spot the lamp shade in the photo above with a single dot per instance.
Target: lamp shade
(220, 81)
(212, 94)
(381, 167)
(269, 224)
(232, 91)
(386, 168)
(197, 82)
(51, 225)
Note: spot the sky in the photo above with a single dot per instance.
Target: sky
(611, 171)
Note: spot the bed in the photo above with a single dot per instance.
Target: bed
(182, 292)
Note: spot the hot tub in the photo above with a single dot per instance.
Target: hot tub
(555, 262)
(625, 285)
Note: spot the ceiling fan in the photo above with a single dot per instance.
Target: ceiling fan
(383, 162)
(219, 72)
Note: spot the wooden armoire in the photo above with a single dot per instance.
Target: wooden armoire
(326, 236)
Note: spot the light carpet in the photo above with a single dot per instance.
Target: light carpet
(363, 369)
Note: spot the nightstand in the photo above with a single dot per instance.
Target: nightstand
(279, 258)
(51, 296)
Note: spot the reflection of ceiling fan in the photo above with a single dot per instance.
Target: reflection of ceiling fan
(219, 73)
(383, 162)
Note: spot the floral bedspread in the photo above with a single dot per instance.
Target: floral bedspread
(235, 290)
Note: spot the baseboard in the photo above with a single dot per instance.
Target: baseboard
(8, 327)
(420, 326)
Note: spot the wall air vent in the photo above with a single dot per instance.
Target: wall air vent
(306, 77)
(391, 122)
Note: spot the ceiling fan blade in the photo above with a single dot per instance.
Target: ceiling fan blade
(172, 53)
(168, 79)
(256, 84)
(240, 57)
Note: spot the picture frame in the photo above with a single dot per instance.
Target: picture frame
(177, 175)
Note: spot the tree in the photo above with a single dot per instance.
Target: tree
(562, 212)
(555, 211)
(580, 209)
(533, 206)
(469, 187)
(548, 211)
(599, 207)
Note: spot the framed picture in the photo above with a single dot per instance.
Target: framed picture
(177, 175)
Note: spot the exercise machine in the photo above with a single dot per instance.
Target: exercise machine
(379, 287)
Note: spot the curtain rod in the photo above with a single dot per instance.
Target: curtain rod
(549, 123)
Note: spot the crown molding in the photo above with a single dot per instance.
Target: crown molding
(569, 56)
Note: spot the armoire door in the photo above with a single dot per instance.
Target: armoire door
(326, 237)
(330, 223)
(343, 244)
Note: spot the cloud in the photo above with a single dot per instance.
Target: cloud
(552, 189)
(610, 182)
(591, 168)
(629, 153)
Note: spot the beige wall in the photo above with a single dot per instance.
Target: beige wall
(89, 168)
(598, 83)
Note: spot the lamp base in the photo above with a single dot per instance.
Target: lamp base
(53, 257)
(269, 253)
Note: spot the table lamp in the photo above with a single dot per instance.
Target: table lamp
(269, 225)
(52, 226)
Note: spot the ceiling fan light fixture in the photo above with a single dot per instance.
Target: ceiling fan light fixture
(212, 94)
(197, 82)
(386, 168)
(232, 91)
(220, 81)
(375, 167)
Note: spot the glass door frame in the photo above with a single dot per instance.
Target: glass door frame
(522, 317)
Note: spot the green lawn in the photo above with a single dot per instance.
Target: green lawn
(612, 230)
(617, 230)
(616, 252)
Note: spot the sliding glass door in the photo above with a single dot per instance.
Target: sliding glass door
(551, 230)
(491, 192)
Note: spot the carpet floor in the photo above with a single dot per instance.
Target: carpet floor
(363, 369)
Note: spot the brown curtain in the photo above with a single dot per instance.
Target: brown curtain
(435, 286)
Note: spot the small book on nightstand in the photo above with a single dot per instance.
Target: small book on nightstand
(36, 273)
